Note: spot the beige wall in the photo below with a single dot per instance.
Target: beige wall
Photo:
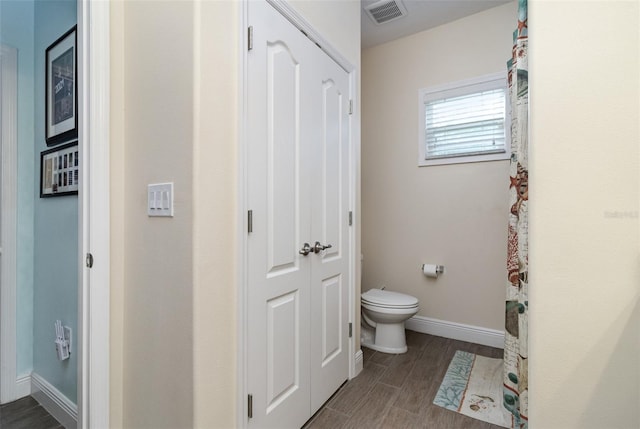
(174, 98)
(455, 215)
(215, 215)
(174, 77)
(152, 279)
(584, 170)
(158, 343)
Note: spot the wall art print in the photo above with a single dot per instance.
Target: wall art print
(60, 171)
(61, 89)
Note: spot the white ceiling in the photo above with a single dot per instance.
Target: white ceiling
(421, 15)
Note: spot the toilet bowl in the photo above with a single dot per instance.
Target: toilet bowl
(383, 316)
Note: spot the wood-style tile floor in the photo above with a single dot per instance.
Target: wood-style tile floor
(26, 413)
(397, 391)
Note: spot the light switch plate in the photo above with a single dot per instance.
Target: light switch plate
(160, 199)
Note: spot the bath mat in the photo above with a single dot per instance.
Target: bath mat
(473, 386)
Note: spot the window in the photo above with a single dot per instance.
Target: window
(465, 122)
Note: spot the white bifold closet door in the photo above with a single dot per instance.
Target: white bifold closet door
(298, 192)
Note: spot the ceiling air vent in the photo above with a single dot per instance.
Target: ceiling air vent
(385, 11)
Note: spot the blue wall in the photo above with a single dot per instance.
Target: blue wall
(56, 227)
(47, 282)
(16, 30)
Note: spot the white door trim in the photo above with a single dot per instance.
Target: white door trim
(241, 372)
(94, 298)
(9, 145)
(355, 361)
(242, 318)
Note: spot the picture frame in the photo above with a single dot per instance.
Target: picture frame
(61, 89)
(60, 171)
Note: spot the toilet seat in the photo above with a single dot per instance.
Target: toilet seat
(387, 299)
(377, 305)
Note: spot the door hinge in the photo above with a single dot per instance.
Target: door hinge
(250, 406)
(351, 107)
(350, 329)
(89, 260)
(250, 37)
(250, 221)
(350, 218)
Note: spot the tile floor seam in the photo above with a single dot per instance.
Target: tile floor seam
(317, 415)
(357, 404)
(390, 403)
(387, 405)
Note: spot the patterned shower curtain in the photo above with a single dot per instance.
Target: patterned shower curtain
(516, 372)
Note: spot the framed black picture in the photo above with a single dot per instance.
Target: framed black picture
(61, 89)
(60, 171)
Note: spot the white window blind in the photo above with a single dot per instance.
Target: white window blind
(465, 120)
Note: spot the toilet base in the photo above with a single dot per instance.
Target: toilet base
(385, 338)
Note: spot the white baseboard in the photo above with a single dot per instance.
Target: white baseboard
(456, 331)
(359, 362)
(52, 400)
(23, 386)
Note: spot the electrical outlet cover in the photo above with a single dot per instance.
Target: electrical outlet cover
(67, 336)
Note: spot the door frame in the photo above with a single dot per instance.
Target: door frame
(94, 215)
(302, 24)
(8, 289)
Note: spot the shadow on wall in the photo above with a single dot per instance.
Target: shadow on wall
(611, 396)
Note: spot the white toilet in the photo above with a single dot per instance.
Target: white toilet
(383, 316)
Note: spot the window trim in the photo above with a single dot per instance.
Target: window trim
(492, 80)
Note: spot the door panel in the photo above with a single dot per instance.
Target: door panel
(278, 194)
(283, 157)
(332, 100)
(283, 359)
(330, 212)
(332, 332)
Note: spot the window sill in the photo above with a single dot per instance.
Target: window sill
(464, 159)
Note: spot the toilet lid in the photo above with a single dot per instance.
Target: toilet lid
(388, 298)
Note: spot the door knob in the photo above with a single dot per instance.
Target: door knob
(306, 249)
(317, 248)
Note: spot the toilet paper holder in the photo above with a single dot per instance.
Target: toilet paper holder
(439, 269)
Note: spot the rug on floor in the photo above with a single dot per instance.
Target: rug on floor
(473, 386)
